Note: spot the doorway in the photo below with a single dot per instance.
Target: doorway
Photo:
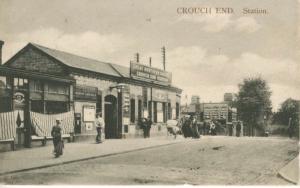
(110, 117)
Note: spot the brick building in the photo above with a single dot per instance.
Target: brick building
(49, 81)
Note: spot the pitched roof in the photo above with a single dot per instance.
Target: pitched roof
(82, 62)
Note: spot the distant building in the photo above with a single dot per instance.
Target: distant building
(228, 97)
(218, 111)
(195, 99)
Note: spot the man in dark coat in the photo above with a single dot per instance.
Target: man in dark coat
(57, 139)
(149, 124)
(238, 129)
(144, 126)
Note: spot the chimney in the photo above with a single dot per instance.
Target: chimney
(163, 50)
(137, 57)
(1, 44)
(150, 62)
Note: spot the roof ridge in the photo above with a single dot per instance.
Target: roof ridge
(88, 58)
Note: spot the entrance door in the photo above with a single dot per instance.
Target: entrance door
(110, 116)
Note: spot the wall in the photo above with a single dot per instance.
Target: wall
(33, 60)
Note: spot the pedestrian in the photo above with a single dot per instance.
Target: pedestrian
(144, 125)
(212, 128)
(238, 129)
(230, 125)
(149, 124)
(290, 128)
(57, 139)
(195, 130)
(99, 123)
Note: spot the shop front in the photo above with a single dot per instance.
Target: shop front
(23, 91)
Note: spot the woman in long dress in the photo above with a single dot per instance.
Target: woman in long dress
(57, 139)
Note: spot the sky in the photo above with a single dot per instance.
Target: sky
(208, 54)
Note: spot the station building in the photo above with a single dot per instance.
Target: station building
(49, 81)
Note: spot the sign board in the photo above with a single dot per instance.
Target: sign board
(89, 113)
(89, 126)
(159, 95)
(126, 121)
(126, 101)
(145, 73)
(85, 93)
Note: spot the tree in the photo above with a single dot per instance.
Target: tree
(253, 103)
(288, 109)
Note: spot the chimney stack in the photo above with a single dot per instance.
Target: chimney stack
(150, 62)
(163, 50)
(1, 44)
(137, 57)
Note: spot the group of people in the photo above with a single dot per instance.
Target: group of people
(189, 127)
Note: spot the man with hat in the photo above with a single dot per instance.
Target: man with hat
(57, 140)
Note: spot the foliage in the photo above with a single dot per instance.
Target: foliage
(289, 109)
(253, 101)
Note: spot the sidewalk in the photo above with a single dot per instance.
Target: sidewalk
(39, 157)
(290, 172)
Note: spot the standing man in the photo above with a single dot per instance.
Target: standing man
(144, 126)
(57, 140)
(290, 128)
(149, 124)
(238, 129)
(212, 128)
(99, 123)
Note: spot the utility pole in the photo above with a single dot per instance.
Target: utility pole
(137, 57)
(163, 50)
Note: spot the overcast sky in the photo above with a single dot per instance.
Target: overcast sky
(208, 54)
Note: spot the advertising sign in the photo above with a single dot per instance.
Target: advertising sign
(89, 113)
(145, 73)
(89, 126)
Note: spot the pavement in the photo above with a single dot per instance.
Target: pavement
(41, 157)
(290, 172)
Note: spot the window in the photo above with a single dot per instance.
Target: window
(37, 86)
(132, 110)
(169, 111)
(155, 112)
(2, 82)
(177, 110)
(139, 110)
(99, 104)
(20, 83)
(58, 88)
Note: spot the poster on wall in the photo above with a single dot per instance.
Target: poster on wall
(160, 116)
(126, 121)
(89, 113)
(89, 126)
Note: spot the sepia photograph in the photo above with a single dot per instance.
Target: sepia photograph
(149, 92)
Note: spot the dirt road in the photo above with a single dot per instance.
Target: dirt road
(206, 161)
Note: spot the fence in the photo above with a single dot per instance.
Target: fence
(43, 123)
(8, 125)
